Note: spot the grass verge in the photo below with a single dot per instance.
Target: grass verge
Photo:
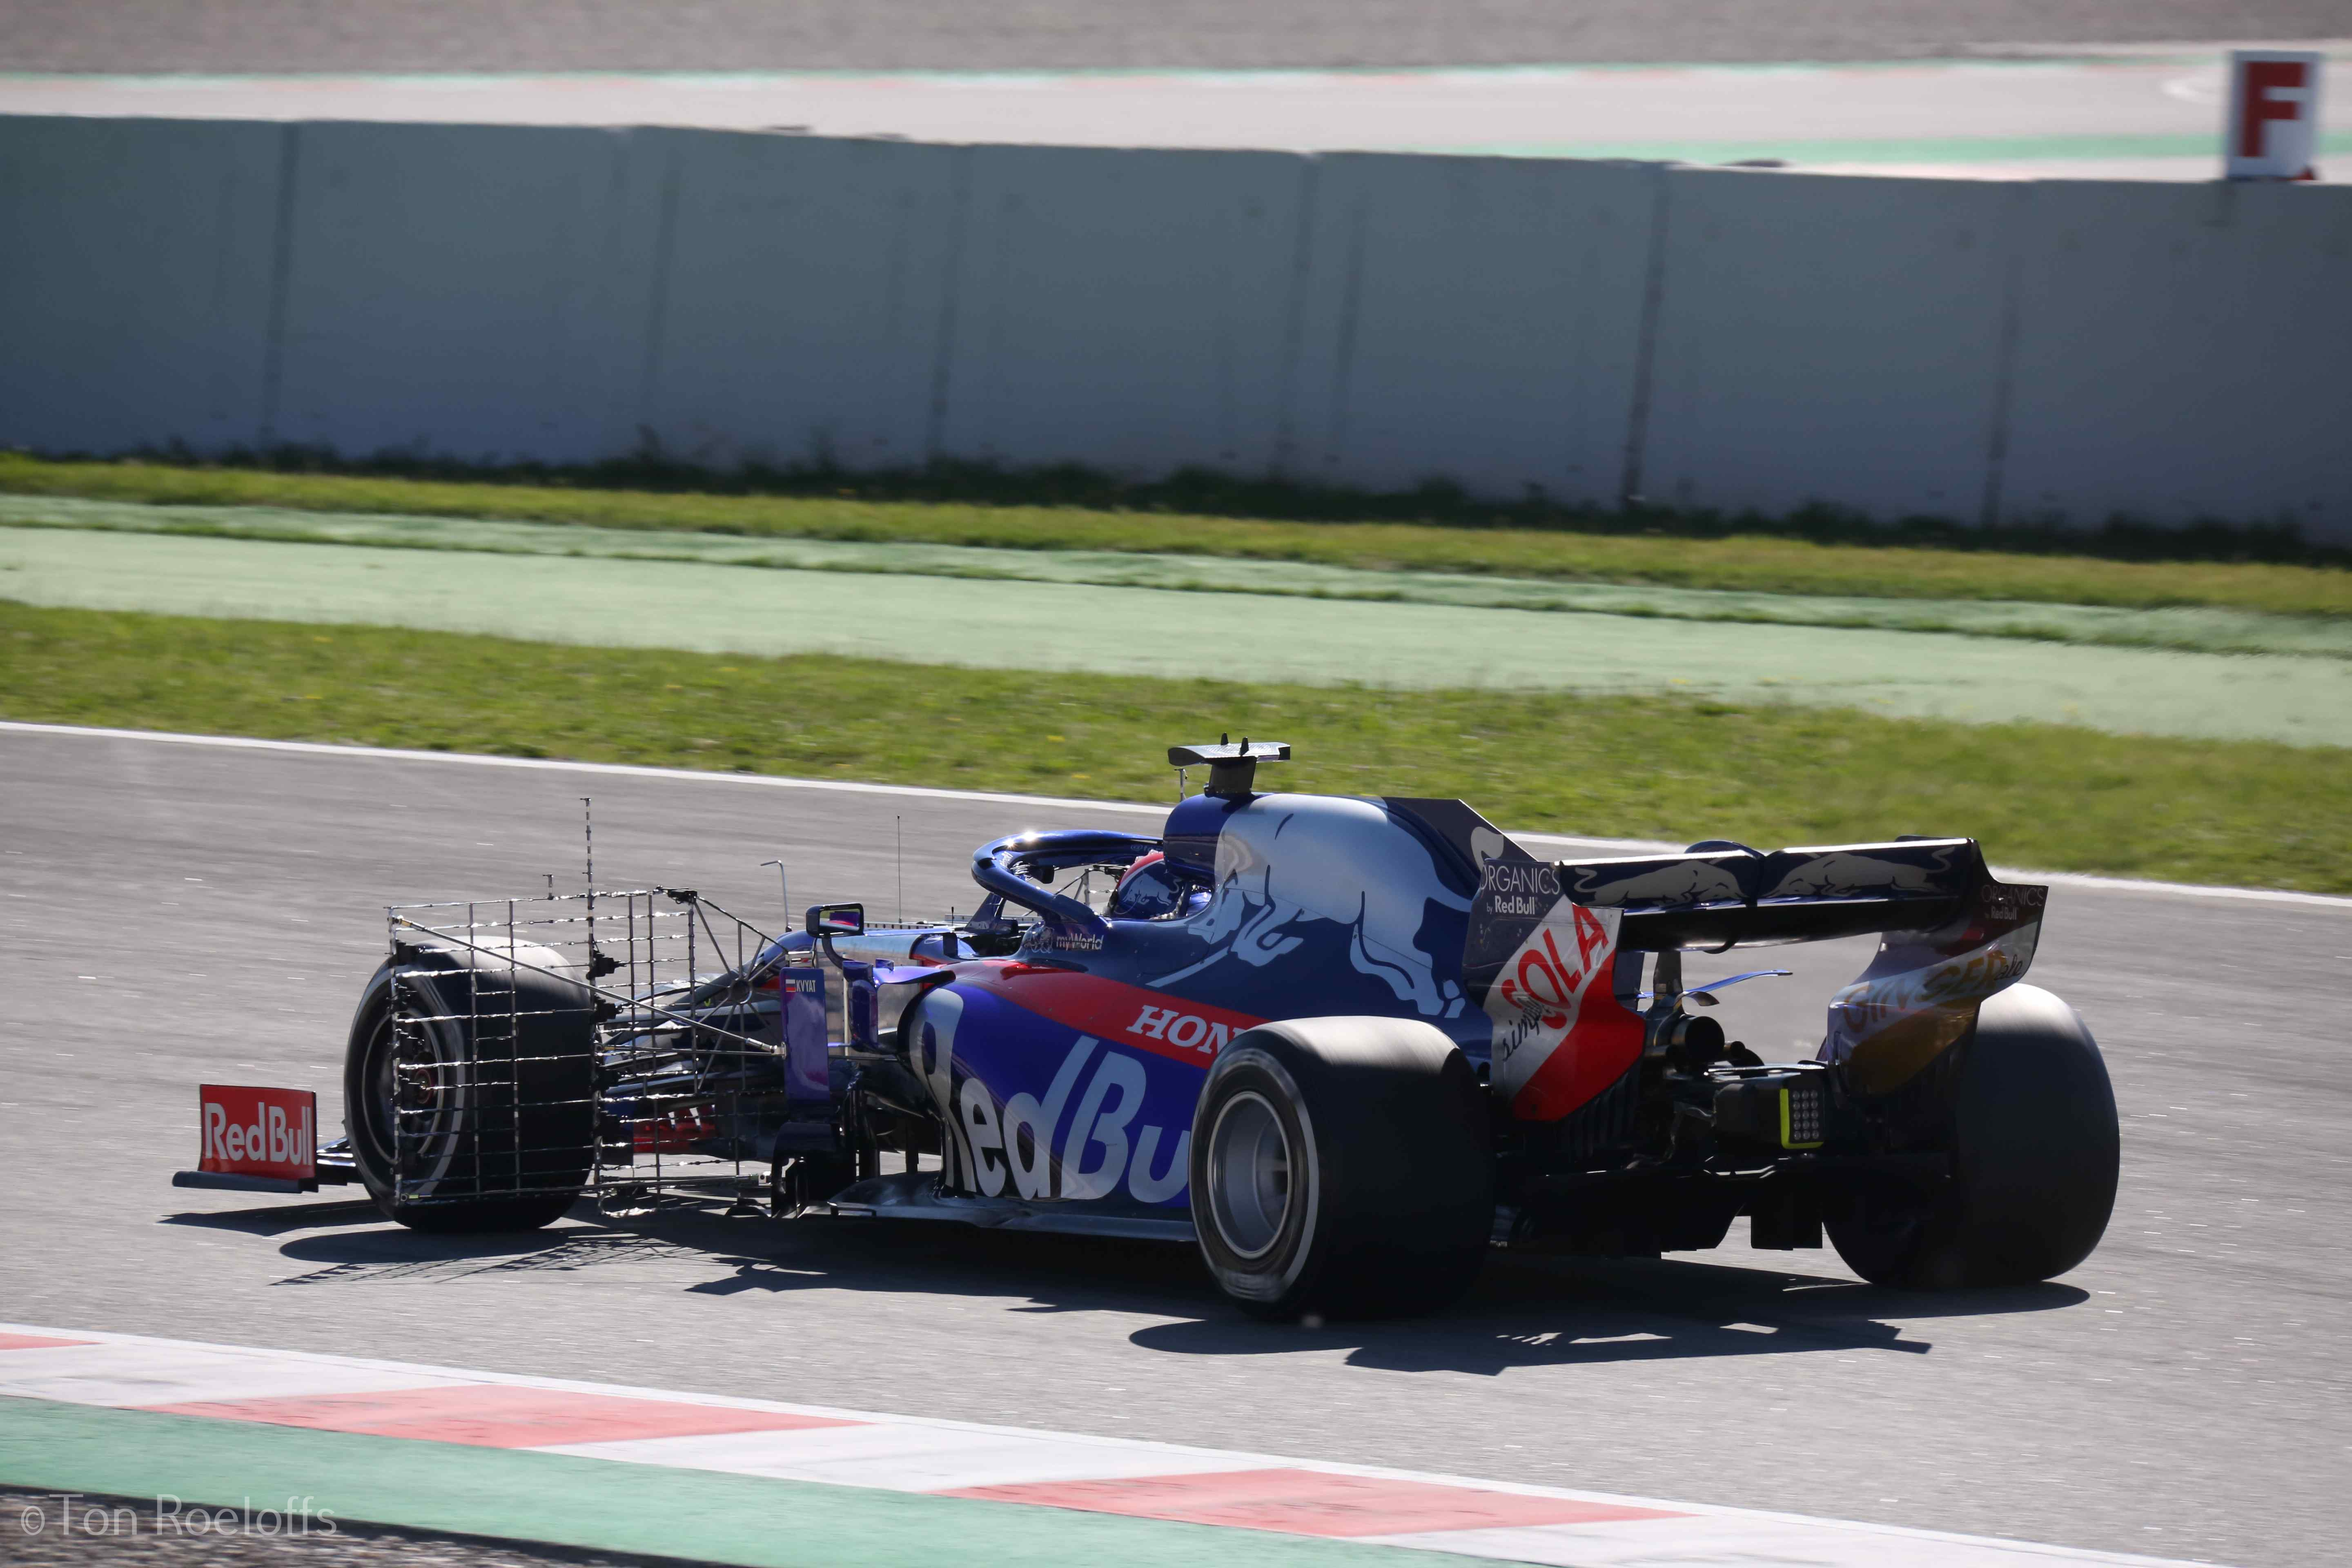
(1653, 549)
(2250, 813)
(2198, 630)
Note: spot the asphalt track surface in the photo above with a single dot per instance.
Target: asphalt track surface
(173, 914)
(947, 35)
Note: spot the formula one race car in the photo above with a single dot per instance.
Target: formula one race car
(1344, 1045)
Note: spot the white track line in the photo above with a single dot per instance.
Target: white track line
(915, 792)
(874, 1450)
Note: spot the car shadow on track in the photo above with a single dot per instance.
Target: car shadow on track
(1525, 1311)
(1591, 1311)
(694, 1250)
(389, 1251)
(283, 1218)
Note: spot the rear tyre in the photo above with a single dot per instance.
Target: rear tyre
(2035, 1152)
(488, 1109)
(1341, 1166)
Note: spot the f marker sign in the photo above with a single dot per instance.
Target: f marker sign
(2273, 114)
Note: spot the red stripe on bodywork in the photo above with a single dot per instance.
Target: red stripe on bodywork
(1605, 1042)
(1311, 1502)
(499, 1415)
(1131, 1015)
(37, 1342)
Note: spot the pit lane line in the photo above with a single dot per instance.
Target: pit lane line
(471, 1450)
(918, 792)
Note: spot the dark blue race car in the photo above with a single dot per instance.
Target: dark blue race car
(1343, 1044)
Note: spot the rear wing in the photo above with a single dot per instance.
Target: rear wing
(1952, 933)
(1723, 896)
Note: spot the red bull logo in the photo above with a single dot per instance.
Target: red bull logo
(259, 1131)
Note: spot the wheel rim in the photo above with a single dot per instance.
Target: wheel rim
(416, 1103)
(1249, 1174)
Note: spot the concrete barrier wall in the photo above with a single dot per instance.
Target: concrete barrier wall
(2183, 352)
(471, 299)
(1824, 339)
(1478, 320)
(1121, 309)
(1697, 337)
(805, 292)
(138, 265)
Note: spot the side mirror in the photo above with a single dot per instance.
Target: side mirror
(836, 920)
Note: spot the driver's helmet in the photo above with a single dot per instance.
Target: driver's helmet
(1151, 890)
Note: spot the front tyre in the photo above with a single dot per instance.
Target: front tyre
(481, 1114)
(2035, 1151)
(1341, 1165)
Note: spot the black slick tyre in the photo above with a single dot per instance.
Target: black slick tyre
(1341, 1166)
(482, 1118)
(2035, 1150)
